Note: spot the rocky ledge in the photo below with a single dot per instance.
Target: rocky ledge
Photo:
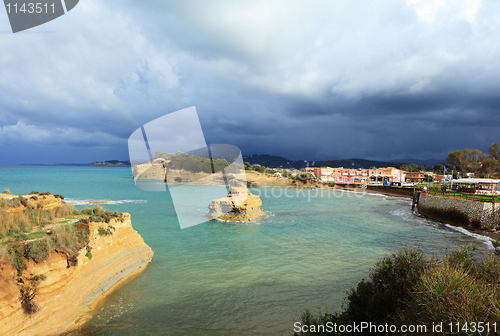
(65, 294)
(240, 205)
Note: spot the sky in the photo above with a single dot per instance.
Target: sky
(314, 80)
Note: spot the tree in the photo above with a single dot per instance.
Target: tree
(413, 167)
(259, 168)
(494, 151)
(466, 160)
(489, 166)
(438, 169)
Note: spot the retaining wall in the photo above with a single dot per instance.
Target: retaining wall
(469, 214)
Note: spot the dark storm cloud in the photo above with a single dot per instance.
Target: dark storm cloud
(313, 80)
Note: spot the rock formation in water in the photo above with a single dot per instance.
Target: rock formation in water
(65, 295)
(240, 205)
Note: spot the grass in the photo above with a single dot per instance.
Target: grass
(31, 235)
(409, 287)
(6, 204)
(465, 196)
(12, 224)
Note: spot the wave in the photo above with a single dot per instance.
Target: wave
(409, 215)
(486, 240)
(96, 202)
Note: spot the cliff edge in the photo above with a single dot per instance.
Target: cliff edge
(64, 290)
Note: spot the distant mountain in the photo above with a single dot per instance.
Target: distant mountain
(357, 163)
(271, 161)
(111, 163)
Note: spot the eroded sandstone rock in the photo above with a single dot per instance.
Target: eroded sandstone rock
(240, 205)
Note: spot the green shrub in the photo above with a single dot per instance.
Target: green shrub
(376, 299)
(102, 231)
(7, 192)
(39, 277)
(88, 255)
(451, 293)
(409, 288)
(34, 193)
(16, 252)
(98, 214)
(37, 250)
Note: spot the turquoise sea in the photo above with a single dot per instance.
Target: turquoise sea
(241, 279)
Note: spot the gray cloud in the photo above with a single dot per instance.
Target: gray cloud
(313, 80)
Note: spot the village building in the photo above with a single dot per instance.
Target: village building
(476, 186)
(356, 176)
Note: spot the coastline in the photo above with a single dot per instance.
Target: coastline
(388, 191)
(397, 193)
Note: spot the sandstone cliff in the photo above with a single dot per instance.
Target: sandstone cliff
(154, 170)
(65, 295)
(240, 205)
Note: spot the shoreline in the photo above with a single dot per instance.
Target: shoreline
(397, 192)
(483, 233)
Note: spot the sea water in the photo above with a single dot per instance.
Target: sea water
(256, 278)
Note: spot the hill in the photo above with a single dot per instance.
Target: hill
(271, 161)
(111, 163)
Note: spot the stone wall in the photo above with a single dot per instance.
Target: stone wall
(469, 214)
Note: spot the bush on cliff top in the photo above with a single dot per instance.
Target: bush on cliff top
(412, 288)
(98, 214)
(69, 239)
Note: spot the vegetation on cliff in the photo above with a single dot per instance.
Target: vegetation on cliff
(409, 288)
(36, 225)
(19, 215)
(195, 163)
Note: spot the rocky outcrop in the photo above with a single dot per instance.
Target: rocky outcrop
(180, 176)
(65, 295)
(158, 170)
(240, 205)
(154, 170)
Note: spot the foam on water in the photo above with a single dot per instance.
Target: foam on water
(487, 240)
(98, 202)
